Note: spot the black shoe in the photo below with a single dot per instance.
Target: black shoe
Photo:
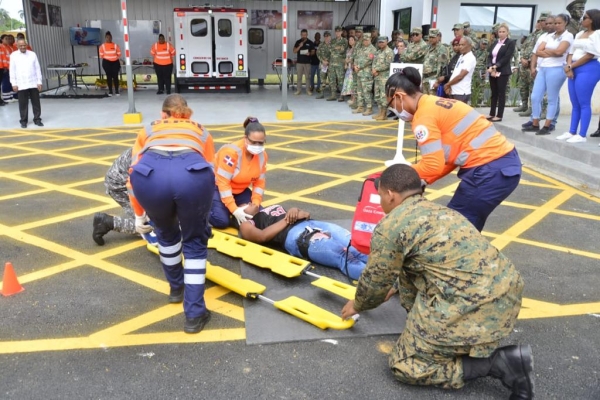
(544, 131)
(195, 325)
(532, 128)
(552, 128)
(160, 92)
(176, 295)
(527, 124)
(23, 126)
(513, 365)
(39, 123)
(103, 223)
(3, 103)
(596, 134)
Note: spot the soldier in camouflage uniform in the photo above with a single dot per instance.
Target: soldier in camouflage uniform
(461, 294)
(381, 73)
(436, 57)
(324, 56)
(396, 34)
(336, 71)
(115, 182)
(363, 62)
(417, 48)
(576, 9)
(467, 31)
(358, 33)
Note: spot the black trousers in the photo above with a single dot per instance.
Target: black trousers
(163, 76)
(111, 69)
(1, 76)
(498, 88)
(24, 96)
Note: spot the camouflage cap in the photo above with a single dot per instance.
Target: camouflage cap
(417, 30)
(358, 29)
(466, 25)
(338, 28)
(434, 32)
(457, 26)
(327, 33)
(485, 41)
(572, 4)
(374, 29)
(544, 15)
(366, 36)
(382, 39)
(397, 32)
(495, 27)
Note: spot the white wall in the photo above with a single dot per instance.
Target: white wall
(421, 13)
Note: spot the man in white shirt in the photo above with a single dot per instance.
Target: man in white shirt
(459, 85)
(26, 80)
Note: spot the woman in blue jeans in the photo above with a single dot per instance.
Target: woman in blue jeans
(550, 76)
(293, 231)
(583, 73)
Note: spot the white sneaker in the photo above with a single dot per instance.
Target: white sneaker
(577, 139)
(565, 136)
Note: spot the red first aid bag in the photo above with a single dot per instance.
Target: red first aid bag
(367, 215)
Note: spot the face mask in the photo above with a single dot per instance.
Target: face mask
(252, 149)
(404, 115)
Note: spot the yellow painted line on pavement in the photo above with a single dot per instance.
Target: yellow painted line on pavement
(531, 309)
(64, 217)
(531, 219)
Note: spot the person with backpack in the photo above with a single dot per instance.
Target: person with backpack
(294, 232)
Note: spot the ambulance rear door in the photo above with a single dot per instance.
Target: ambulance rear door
(231, 46)
(258, 59)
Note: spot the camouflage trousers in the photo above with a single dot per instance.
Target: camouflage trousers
(380, 97)
(126, 222)
(336, 77)
(364, 91)
(525, 84)
(426, 85)
(324, 79)
(416, 362)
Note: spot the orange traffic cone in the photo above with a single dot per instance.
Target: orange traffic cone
(10, 283)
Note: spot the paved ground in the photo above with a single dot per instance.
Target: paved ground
(93, 321)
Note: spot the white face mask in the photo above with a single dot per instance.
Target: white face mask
(403, 115)
(252, 149)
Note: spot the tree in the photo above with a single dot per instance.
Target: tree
(22, 15)
(4, 16)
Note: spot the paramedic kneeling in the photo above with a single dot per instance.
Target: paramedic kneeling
(462, 295)
(451, 134)
(239, 166)
(171, 182)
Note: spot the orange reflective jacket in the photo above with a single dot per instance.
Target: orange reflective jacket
(110, 51)
(235, 173)
(162, 53)
(451, 134)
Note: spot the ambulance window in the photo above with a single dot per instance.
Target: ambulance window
(199, 27)
(256, 36)
(224, 26)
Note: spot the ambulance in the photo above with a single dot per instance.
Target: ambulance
(211, 49)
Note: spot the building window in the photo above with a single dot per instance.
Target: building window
(199, 27)
(519, 18)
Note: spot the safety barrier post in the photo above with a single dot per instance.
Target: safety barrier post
(284, 112)
(131, 117)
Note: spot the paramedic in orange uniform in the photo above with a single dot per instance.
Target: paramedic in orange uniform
(163, 54)
(451, 134)
(239, 166)
(171, 183)
(110, 53)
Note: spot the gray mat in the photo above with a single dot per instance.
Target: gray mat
(266, 324)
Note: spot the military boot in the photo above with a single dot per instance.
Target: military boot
(526, 113)
(358, 110)
(368, 111)
(103, 223)
(382, 116)
(321, 94)
(513, 365)
(341, 98)
(523, 108)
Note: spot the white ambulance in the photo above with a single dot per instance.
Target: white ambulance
(212, 53)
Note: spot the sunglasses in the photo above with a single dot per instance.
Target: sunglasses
(414, 34)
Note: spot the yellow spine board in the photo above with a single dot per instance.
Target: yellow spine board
(336, 287)
(255, 254)
(226, 278)
(312, 314)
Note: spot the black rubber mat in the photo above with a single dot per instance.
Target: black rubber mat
(266, 324)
